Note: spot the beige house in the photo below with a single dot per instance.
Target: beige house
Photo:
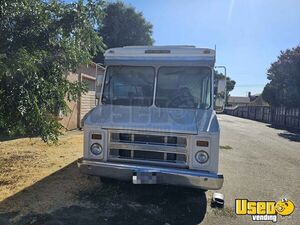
(86, 73)
(238, 101)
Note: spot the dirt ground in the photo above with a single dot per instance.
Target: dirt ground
(25, 161)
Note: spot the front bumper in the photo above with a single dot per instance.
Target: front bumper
(180, 177)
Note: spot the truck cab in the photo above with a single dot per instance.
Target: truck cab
(155, 122)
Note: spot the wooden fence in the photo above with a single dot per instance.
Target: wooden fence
(279, 116)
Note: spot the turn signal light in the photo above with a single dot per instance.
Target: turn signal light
(202, 143)
(97, 136)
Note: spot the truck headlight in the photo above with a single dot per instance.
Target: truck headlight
(96, 149)
(201, 157)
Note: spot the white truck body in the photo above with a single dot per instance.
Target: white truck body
(155, 121)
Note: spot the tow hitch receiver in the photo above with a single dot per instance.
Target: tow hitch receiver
(144, 177)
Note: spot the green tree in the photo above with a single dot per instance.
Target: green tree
(284, 75)
(123, 26)
(40, 42)
(230, 84)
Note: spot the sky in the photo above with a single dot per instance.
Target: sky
(248, 34)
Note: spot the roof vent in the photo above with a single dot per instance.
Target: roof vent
(157, 51)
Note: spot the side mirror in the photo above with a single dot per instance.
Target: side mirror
(220, 95)
(99, 81)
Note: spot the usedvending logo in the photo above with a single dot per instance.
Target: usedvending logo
(264, 210)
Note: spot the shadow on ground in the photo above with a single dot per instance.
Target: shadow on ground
(291, 136)
(103, 202)
(4, 137)
(288, 133)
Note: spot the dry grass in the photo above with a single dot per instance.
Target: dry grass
(25, 161)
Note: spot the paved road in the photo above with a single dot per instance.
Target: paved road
(263, 164)
(259, 163)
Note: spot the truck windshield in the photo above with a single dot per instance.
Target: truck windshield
(177, 87)
(128, 85)
(183, 87)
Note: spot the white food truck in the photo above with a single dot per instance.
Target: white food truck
(155, 121)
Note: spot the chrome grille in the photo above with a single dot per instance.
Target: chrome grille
(148, 139)
(151, 148)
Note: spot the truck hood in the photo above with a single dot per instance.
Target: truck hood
(185, 121)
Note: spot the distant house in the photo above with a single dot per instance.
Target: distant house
(250, 100)
(238, 101)
(86, 73)
(258, 101)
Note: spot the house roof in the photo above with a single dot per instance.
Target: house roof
(259, 101)
(238, 99)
